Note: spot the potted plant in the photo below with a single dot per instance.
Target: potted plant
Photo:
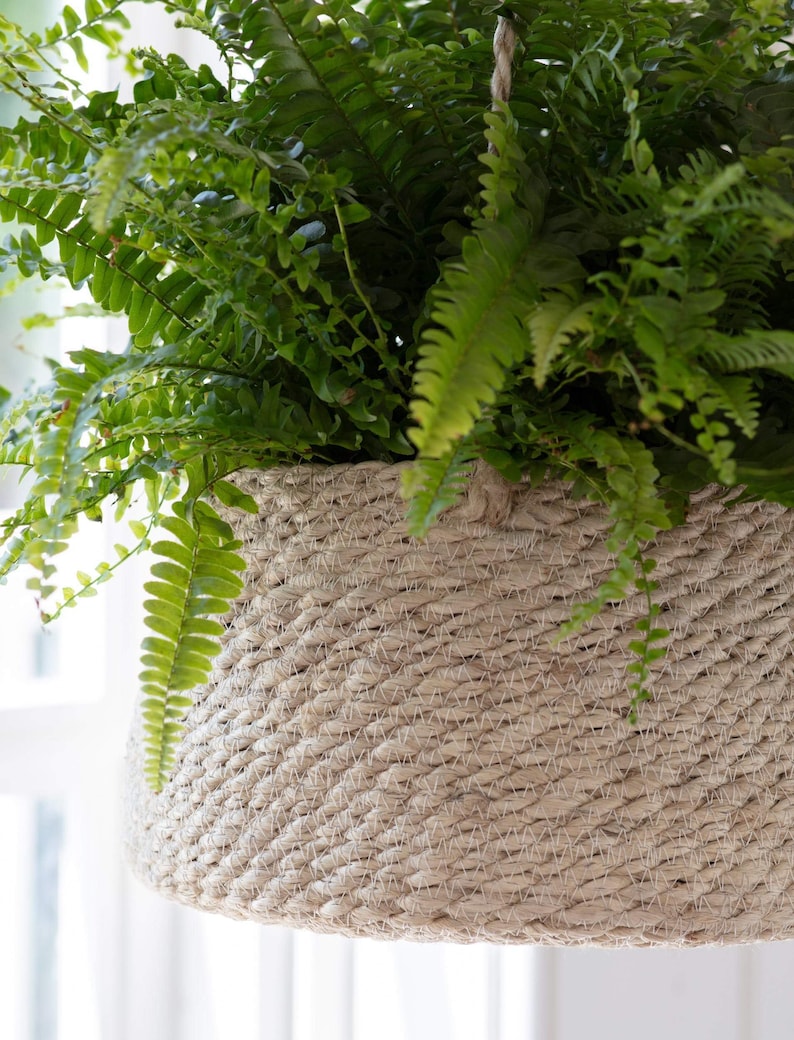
(554, 314)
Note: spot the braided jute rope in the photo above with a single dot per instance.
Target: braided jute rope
(504, 46)
(389, 744)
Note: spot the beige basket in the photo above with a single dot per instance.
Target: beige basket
(389, 745)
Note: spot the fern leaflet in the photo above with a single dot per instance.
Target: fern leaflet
(432, 485)
(552, 323)
(196, 575)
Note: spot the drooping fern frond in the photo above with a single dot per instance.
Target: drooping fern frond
(477, 335)
(480, 303)
(59, 475)
(638, 513)
(196, 575)
(122, 277)
(432, 485)
(18, 425)
(762, 348)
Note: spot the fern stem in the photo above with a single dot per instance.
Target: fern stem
(758, 471)
(680, 442)
(380, 345)
(37, 218)
(453, 21)
(39, 52)
(103, 576)
(103, 16)
(34, 99)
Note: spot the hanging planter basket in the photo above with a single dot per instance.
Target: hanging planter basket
(390, 745)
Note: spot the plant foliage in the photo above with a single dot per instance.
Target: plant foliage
(318, 258)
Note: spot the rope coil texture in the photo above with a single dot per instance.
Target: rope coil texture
(504, 46)
(390, 746)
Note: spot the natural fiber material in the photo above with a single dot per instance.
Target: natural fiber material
(390, 746)
(504, 46)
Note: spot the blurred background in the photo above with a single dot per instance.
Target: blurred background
(87, 954)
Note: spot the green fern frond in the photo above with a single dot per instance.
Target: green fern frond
(16, 539)
(479, 306)
(432, 485)
(762, 348)
(122, 277)
(638, 513)
(119, 165)
(477, 338)
(738, 397)
(116, 168)
(197, 573)
(20, 531)
(507, 176)
(59, 473)
(312, 67)
(552, 323)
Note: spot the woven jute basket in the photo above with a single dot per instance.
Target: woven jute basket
(391, 745)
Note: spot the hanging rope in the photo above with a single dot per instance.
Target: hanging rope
(504, 46)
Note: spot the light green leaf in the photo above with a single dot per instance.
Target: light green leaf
(552, 323)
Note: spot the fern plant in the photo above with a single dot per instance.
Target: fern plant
(330, 246)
